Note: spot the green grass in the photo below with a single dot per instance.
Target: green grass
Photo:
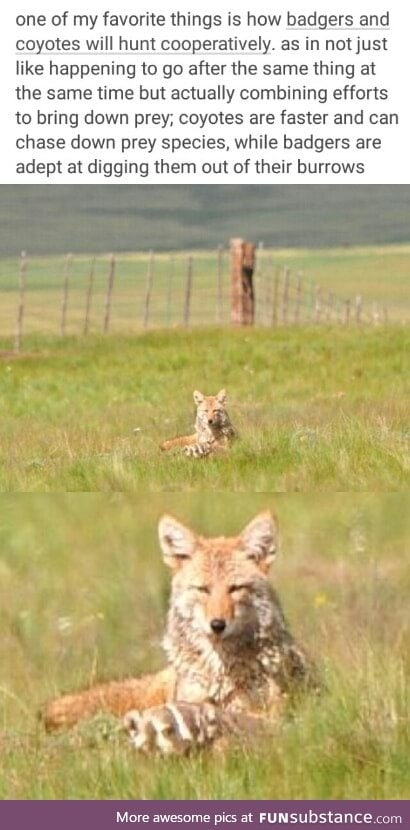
(84, 595)
(316, 409)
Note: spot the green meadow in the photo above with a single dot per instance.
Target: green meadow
(84, 597)
(318, 408)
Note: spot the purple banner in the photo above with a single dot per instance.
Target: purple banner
(113, 815)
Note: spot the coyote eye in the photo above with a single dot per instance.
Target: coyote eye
(202, 588)
(234, 588)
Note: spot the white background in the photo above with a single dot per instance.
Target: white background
(388, 165)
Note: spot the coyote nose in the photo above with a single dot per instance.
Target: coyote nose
(218, 626)
(210, 420)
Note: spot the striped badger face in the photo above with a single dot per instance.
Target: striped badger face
(174, 729)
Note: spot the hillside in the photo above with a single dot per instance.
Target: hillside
(47, 219)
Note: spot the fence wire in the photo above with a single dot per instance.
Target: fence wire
(79, 295)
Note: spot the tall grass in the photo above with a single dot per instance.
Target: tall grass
(84, 595)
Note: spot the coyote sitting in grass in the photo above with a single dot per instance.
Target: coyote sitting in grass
(231, 657)
(213, 429)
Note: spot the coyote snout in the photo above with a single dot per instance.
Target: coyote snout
(217, 625)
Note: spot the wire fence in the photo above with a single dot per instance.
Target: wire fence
(78, 295)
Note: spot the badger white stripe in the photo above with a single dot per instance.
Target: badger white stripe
(183, 730)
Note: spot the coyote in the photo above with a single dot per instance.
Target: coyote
(231, 656)
(213, 429)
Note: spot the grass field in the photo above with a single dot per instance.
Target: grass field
(316, 409)
(379, 274)
(84, 594)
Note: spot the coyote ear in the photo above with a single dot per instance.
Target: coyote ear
(221, 396)
(260, 539)
(198, 397)
(177, 542)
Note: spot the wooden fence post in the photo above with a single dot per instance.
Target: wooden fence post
(329, 307)
(64, 302)
(358, 309)
(188, 292)
(219, 285)
(259, 284)
(108, 296)
(298, 301)
(148, 289)
(318, 304)
(242, 293)
(285, 295)
(20, 310)
(275, 298)
(236, 280)
(169, 289)
(347, 312)
(312, 302)
(89, 297)
(268, 293)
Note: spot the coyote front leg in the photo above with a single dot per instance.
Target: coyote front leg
(117, 698)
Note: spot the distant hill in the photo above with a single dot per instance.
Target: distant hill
(47, 219)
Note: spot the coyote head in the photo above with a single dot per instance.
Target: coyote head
(210, 410)
(220, 590)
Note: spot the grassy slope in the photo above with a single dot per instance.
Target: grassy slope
(84, 595)
(316, 409)
(378, 274)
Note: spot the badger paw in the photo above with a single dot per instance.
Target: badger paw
(198, 450)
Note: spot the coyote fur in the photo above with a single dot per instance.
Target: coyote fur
(213, 429)
(231, 657)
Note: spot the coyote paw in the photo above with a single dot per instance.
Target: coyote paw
(174, 729)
